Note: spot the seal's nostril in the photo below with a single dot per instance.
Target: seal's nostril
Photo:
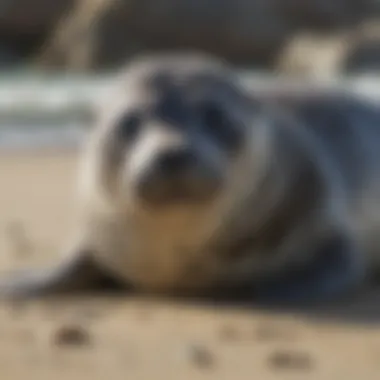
(174, 161)
(177, 176)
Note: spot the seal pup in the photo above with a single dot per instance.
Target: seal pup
(191, 185)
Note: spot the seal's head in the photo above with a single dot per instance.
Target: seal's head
(176, 150)
(173, 130)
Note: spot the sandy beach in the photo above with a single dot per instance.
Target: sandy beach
(141, 338)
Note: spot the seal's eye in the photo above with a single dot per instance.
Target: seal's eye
(218, 124)
(129, 126)
(212, 116)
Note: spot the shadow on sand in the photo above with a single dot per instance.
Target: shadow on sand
(361, 309)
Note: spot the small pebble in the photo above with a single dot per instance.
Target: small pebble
(290, 360)
(71, 335)
(200, 356)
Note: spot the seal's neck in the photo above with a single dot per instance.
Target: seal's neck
(297, 175)
(288, 194)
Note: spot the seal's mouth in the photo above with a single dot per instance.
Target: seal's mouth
(178, 178)
(186, 188)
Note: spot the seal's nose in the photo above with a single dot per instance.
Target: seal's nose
(175, 161)
(177, 175)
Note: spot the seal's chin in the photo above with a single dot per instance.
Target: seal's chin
(179, 195)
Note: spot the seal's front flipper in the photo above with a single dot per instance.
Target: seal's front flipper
(338, 269)
(76, 273)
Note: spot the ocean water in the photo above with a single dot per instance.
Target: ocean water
(39, 110)
(48, 110)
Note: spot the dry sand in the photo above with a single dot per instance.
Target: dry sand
(141, 338)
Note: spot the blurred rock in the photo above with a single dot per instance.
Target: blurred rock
(290, 360)
(24, 16)
(313, 55)
(102, 34)
(71, 335)
(24, 24)
(200, 356)
(363, 56)
(99, 34)
(352, 51)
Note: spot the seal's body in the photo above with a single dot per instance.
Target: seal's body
(190, 185)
